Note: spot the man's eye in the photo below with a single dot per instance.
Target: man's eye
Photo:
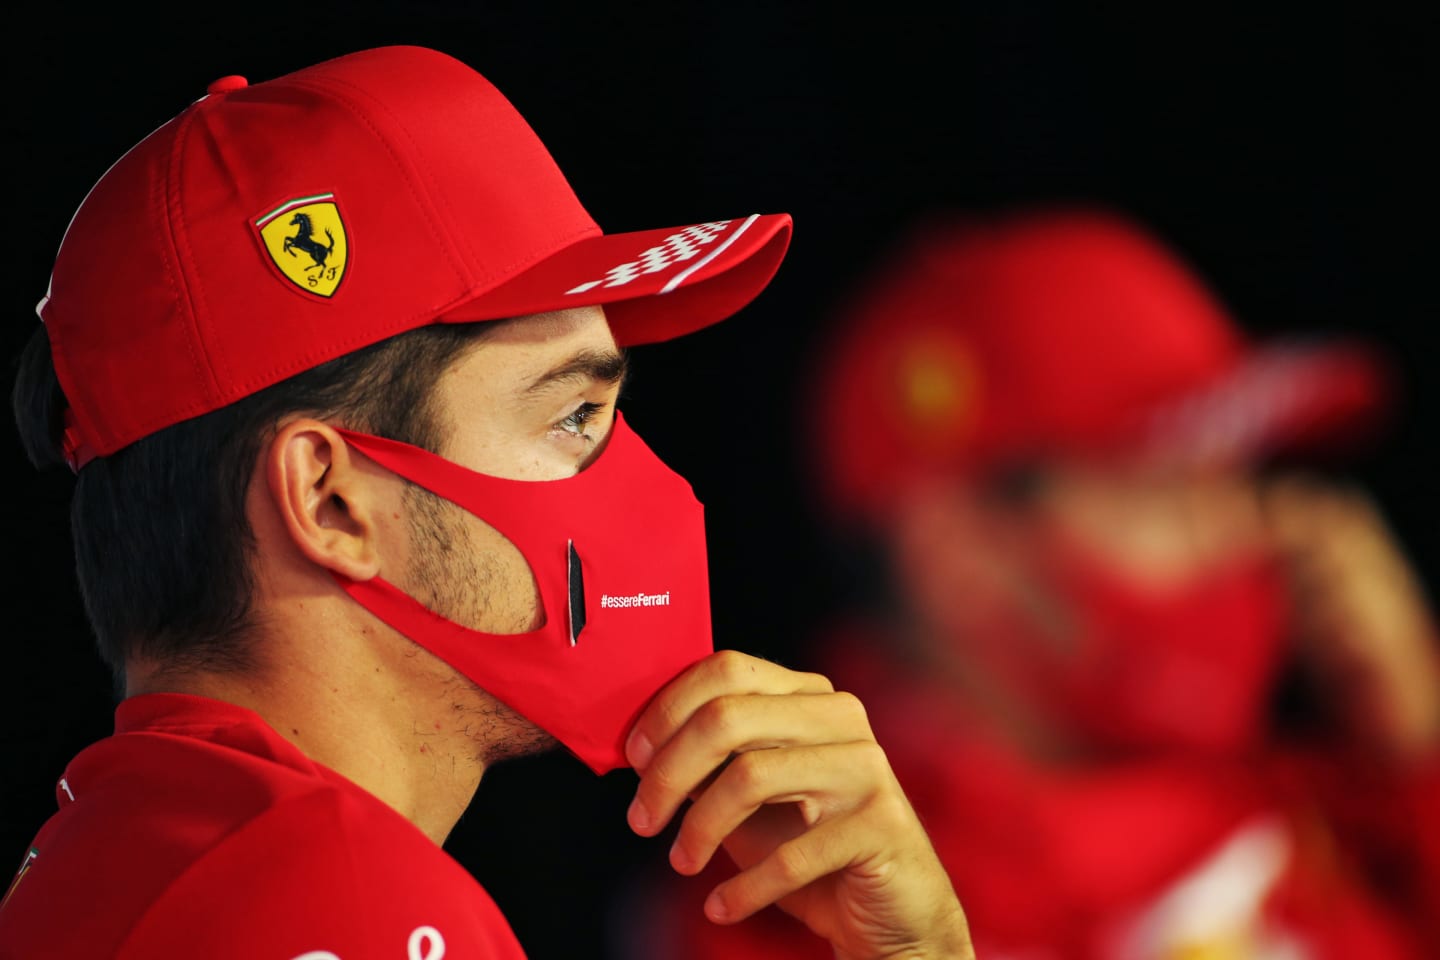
(575, 423)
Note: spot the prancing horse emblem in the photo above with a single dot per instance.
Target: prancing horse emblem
(305, 239)
(294, 228)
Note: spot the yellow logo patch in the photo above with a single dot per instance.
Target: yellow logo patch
(937, 387)
(306, 240)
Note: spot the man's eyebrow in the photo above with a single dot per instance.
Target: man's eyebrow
(604, 366)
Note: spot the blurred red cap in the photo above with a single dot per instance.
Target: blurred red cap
(1058, 333)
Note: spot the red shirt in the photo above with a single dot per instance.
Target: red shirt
(196, 830)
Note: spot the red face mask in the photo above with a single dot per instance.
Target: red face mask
(618, 555)
(1190, 667)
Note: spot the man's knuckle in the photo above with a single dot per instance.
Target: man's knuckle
(792, 863)
(890, 810)
(672, 716)
(748, 773)
(821, 682)
(664, 779)
(873, 758)
(732, 667)
(851, 707)
(718, 718)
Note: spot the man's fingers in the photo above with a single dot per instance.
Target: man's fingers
(738, 724)
(790, 867)
(723, 673)
(824, 849)
(821, 780)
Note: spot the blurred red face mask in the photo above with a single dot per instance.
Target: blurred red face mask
(618, 556)
(1185, 667)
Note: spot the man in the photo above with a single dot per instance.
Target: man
(335, 358)
(1157, 688)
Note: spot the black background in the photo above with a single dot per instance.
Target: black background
(1283, 150)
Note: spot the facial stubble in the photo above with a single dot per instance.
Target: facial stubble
(452, 577)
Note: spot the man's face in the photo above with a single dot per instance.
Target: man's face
(972, 562)
(1157, 526)
(534, 400)
(1109, 604)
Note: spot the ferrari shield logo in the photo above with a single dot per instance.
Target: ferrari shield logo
(306, 240)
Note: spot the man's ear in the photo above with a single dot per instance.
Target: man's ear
(328, 498)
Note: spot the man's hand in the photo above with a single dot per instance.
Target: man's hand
(1361, 612)
(786, 774)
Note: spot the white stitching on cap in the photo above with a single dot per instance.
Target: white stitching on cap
(676, 248)
(679, 278)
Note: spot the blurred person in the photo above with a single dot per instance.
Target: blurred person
(356, 518)
(1158, 685)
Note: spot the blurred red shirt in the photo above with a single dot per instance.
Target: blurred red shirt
(1280, 856)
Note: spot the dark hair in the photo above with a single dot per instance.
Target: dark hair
(163, 546)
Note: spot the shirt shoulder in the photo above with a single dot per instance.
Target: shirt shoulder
(196, 830)
(324, 876)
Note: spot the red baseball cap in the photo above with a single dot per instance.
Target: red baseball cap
(271, 227)
(1055, 333)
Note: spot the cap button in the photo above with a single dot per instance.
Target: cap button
(226, 84)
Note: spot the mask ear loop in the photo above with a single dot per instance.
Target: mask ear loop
(577, 593)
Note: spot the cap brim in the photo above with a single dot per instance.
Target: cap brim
(656, 284)
(1285, 398)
